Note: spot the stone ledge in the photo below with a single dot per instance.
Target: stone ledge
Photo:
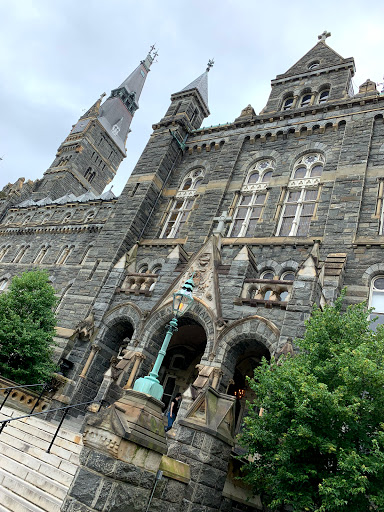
(175, 469)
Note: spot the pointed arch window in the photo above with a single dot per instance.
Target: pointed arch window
(302, 196)
(182, 204)
(41, 254)
(3, 284)
(20, 254)
(3, 251)
(252, 199)
(64, 255)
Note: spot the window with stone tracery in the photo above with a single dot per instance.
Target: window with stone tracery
(302, 196)
(252, 199)
(182, 204)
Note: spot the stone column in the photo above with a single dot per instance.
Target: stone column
(94, 349)
(138, 358)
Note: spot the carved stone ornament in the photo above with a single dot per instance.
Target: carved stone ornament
(85, 328)
(304, 182)
(135, 418)
(247, 111)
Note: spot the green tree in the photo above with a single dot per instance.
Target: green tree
(27, 323)
(319, 445)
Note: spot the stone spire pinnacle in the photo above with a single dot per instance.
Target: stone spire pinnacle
(200, 84)
(117, 111)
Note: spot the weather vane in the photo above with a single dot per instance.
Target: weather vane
(210, 64)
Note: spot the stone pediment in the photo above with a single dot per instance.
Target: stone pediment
(203, 266)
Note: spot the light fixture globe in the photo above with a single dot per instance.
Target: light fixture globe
(183, 300)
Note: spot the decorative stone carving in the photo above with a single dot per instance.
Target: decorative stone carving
(85, 328)
(247, 111)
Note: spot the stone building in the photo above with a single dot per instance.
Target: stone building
(273, 213)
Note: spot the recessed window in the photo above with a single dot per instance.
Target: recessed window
(288, 276)
(284, 295)
(302, 196)
(267, 274)
(323, 98)
(377, 301)
(3, 284)
(288, 103)
(305, 100)
(143, 269)
(313, 65)
(267, 295)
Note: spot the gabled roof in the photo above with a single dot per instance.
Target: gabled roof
(321, 53)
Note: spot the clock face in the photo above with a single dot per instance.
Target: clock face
(80, 126)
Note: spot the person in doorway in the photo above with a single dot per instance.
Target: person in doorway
(173, 410)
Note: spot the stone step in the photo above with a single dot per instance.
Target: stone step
(37, 453)
(36, 441)
(43, 482)
(27, 495)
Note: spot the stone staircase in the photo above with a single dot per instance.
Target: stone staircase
(30, 478)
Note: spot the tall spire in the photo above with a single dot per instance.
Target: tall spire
(200, 85)
(120, 107)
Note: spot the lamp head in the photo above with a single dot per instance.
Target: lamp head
(183, 300)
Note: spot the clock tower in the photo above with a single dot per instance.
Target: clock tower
(88, 159)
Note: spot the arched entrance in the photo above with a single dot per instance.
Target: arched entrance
(247, 355)
(184, 353)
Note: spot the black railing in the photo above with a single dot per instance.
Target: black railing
(11, 388)
(3, 423)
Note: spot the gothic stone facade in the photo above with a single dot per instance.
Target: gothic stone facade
(273, 212)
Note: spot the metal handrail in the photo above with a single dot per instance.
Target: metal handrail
(65, 409)
(44, 384)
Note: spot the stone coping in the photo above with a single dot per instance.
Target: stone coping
(175, 469)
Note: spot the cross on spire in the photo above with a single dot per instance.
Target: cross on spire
(323, 36)
(210, 64)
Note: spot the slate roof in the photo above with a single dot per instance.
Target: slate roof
(201, 84)
(70, 198)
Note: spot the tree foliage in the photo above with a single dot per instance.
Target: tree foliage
(319, 445)
(27, 323)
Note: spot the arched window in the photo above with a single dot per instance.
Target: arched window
(323, 96)
(143, 269)
(85, 255)
(89, 216)
(20, 254)
(302, 196)
(3, 251)
(376, 301)
(182, 204)
(3, 284)
(288, 103)
(252, 200)
(313, 65)
(64, 255)
(156, 269)
(267, 274)
(41, 254)
(289, 275)
(305, 100)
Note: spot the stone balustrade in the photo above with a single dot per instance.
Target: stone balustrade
(138, 284)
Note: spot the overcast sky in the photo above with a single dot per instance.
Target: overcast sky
(57, 57)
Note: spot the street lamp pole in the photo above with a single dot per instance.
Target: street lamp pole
(182, 301)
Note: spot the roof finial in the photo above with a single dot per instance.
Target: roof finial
(323, 36)
(210, 64)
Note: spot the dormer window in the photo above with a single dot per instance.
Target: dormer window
(323, 98)
(305, 100)
(288, 103)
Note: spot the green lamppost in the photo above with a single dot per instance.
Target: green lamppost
(182, 301)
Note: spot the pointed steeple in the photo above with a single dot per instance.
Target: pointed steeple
(117, 112)
(199, 86)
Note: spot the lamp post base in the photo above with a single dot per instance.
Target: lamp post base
(150, 386)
